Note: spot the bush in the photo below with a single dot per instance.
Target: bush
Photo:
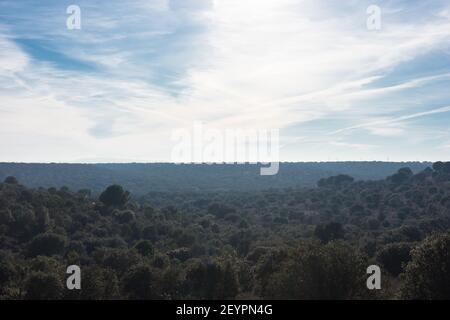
(47, 244)
(427, 276)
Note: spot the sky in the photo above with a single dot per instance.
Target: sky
(137, 71)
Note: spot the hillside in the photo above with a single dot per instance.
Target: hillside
(143, 178)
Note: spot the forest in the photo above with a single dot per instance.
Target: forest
(142, 178)
(290, 242)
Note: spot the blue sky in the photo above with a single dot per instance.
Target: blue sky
(138, 70)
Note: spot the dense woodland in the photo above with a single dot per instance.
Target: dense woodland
(279, 243)
(141, 178)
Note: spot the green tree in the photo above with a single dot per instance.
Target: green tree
(114, 195)
(403, 175)
(42, 219)
(142, 282)
(329, 231)
(120, 260)
(11, 180)
(220, 210)
(6, 216)
(43, 286)
(394, 256)
(7, 269)
(427, 276)
(47, 244)
(99, 284)
(212, 280)
(125, 216)
(339, 181)
(314, 271)
(144, 247)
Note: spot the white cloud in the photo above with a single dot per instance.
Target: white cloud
(388, 130)
(12, 59)
(255, 64)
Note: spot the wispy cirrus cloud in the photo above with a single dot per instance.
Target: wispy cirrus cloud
(137, 70)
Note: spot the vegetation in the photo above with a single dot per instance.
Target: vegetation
(280, 243)
(142, 178)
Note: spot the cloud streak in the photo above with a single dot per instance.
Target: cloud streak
(308, 68)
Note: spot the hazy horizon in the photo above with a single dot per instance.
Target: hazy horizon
(218, 163)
